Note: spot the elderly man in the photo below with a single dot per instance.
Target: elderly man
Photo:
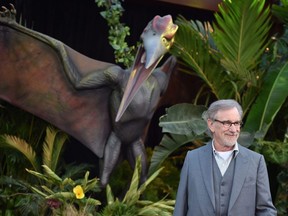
(223, 178)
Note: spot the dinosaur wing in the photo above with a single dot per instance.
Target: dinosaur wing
(33, 76)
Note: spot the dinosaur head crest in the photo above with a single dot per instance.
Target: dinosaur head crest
(157, 37)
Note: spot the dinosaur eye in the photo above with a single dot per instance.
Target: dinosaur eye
(166, 42)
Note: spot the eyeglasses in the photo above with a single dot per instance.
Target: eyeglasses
(228, 124)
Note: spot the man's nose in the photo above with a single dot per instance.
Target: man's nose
(233, 128)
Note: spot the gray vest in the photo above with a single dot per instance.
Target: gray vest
(222, 187)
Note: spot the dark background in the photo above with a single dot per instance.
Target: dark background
(78, 23)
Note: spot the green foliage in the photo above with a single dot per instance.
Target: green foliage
(280, 11)
(16, 189)
(275, 151)
(51, 148)
(22, 146)
(16, 199)
(226, 57)
(229, 44)
(131, 203)
(16, 192)
(269, 101)
(282, 195)
(185, 121)
(241, 31)
(273, 93)
(60, 194)
(166, 183)
(240, 34)
(236, 59)
(117, 32)
(119, 209)
(194, 47)
(184, 124)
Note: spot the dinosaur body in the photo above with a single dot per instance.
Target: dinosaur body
(77, 94)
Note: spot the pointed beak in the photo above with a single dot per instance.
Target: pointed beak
(140, 71)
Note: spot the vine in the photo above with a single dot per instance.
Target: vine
(117, 31)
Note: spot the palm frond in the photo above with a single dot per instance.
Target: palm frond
(21, 146)
(52, 147)
(241, 31)
(132, 194)
(194, 47)
(51, 175)
(109, 195)
(281, 11)
(143, 187)
(161, 208)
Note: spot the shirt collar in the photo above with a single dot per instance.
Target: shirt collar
(235, 149)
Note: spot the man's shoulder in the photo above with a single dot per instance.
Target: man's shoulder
(204, 147)
(248, 151)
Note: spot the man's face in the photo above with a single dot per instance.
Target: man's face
(225, 134)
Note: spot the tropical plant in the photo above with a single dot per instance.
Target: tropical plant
(16, 189)
(181, 124)
(66, 196)
(196, 46)
(237, 59)
(226, 57)
(14, 184)
(52, 147)
(131, 204)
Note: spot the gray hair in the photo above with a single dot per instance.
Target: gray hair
(224, 104)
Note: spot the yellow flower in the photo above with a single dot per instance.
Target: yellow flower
(78, 191)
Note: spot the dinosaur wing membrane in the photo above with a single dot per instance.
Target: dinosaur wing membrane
(33, 76)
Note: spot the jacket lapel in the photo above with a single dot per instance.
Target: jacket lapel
(240, 172)
(205, 157)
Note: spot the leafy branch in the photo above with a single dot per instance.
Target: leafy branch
(117, 31)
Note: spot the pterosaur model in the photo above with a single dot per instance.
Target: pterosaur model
(103, 106)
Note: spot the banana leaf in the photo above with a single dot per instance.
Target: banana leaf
(184, 124)
(272, 96)
(183, 119)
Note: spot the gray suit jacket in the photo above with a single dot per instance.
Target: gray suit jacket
(250, 193)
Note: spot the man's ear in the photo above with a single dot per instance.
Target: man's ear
(210, 125)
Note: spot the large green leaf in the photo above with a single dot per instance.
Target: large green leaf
(183, 119)
(272, 96)
(168, 145)
(184, 124)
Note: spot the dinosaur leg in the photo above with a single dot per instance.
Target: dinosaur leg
(111, 157)
(135, 150)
